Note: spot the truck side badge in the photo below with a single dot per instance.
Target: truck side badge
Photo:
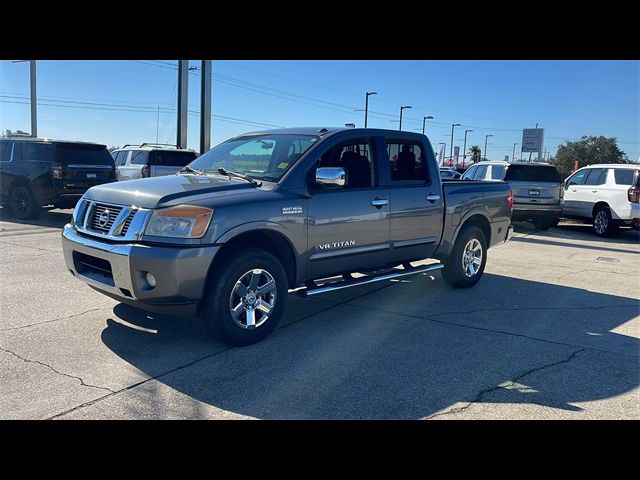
(291, 210)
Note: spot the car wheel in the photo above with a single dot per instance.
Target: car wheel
(244, 297)
(465, 265)
(22, 203)
(545, 223)
(603, 224)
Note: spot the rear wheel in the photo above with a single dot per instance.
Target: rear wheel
(244, 298)
(22, 203)
(603, 224)
(464, 267)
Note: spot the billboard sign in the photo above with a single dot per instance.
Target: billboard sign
(532, 139)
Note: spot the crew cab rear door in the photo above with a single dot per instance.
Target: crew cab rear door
(416, 206)
(348, 227)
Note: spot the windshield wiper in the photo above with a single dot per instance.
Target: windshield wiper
(188, 169)
(230, 174)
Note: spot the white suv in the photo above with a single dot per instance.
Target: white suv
(606, 194)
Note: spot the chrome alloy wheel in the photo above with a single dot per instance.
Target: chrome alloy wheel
(601, 222)
(253, 298)
(472, 257)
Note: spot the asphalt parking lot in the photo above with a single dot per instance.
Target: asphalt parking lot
(551, 331)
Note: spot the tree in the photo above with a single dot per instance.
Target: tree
(17, 133)
(474, 151)
(587, 151)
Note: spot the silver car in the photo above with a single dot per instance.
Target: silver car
(150, 160)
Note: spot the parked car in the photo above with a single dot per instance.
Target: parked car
(606, 195)
(449, 174)
(270, 211)
(36, 172)
(150, 160)
(537, 188)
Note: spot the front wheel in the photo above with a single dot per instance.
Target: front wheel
(244, 297)
(465, 265)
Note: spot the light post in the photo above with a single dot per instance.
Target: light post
(401, 109)
(453, 125)
(424, 119)
(513, 154)
(485, 146)
(464, 149)
(366, 106)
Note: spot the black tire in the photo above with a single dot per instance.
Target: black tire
(221, 291)
(544, 223)
(453, 271)
(22, 203)
(603, 224)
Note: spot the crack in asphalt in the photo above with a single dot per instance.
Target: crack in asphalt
(193, 362)
(519, 309)
(487, 391)
(53, 320)
(29, 246)
(27, 360)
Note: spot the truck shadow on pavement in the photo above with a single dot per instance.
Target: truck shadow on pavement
(406, 350)
(52, 218)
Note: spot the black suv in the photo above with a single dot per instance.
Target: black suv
(36, 172)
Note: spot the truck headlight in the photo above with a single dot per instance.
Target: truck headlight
(183, 221)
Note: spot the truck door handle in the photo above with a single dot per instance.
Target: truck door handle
(379, 202)
(594, 191)
(432, 198)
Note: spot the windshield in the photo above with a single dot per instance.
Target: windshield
(263, 157)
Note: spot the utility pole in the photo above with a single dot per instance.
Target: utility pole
(453, 125)
(464, 149)
(205, 106)
(513, 154)
(157, 123)
(34, 105)
(401, 109)
(366, 106)
(183, 93)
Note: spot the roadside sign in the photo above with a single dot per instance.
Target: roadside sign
(532, 139)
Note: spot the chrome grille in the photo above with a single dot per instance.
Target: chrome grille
(127, 223)
(98, 214)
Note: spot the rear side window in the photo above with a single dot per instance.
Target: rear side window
(406, 161)
(139, 157)
(38, 152)
(497, 172)
(480, 172)
(532, 173)
(623, 176)
(597, 176)
(83, 154)
(5, 151)
(171, 158)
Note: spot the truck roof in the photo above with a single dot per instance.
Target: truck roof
(328, 131)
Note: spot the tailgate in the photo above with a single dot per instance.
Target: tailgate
(541, 193)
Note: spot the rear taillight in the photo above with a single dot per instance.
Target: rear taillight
(633, 194)
(510, 202)
(57, 170)
(562, 190)
(146, 171)
(113, 172)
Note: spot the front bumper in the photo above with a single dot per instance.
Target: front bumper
(119, 271)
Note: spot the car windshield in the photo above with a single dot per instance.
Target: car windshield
(263, 157)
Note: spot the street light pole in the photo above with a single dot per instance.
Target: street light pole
(366, 106)
(513, 154)
(401, 109)
(34, 107)
(485, 146)
(453, 125)
(464, 149)
(424, 119)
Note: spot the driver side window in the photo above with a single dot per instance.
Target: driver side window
(578, 178)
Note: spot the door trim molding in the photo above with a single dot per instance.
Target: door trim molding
(415, 241)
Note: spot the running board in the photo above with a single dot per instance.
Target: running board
(308, 292)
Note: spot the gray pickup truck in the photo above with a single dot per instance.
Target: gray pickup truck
(312, 209)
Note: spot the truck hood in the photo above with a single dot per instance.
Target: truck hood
(156, 191)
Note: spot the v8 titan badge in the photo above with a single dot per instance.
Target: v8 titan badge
(291, 210)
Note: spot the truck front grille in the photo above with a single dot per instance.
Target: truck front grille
(113, 222)
(103, 216)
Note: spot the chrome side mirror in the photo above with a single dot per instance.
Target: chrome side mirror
(331, 177)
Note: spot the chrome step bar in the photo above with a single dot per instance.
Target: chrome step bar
(329, 287)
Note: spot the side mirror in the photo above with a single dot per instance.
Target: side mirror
(331, 177)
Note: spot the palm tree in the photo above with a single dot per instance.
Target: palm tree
(474, 151)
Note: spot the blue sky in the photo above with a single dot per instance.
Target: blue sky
(116, 102)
